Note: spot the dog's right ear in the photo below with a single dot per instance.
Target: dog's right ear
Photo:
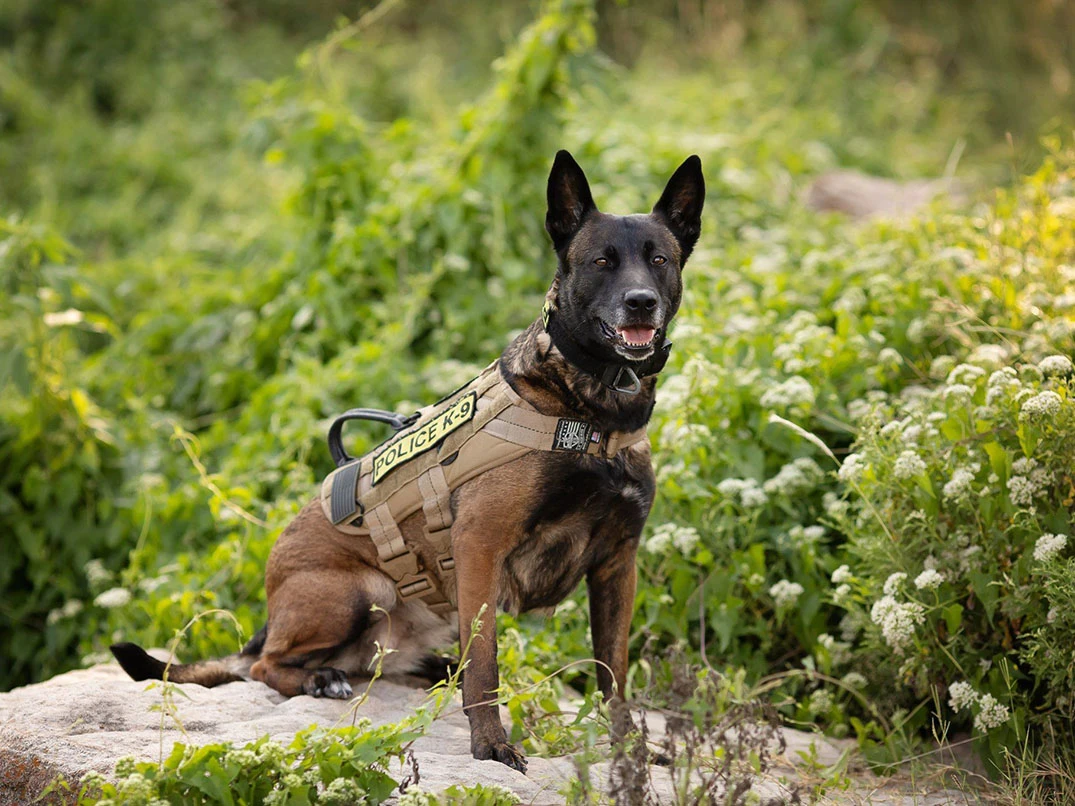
(569, 200)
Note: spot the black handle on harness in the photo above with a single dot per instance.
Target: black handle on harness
(335, 432)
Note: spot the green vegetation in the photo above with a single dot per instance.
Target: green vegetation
(225, 222)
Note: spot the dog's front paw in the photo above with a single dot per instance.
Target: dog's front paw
(327, 682)
(500, 750)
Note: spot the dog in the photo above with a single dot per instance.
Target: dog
(525, 533)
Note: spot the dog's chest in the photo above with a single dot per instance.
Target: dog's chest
(588, 512)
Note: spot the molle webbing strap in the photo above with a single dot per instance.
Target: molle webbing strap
(619, 440)
(386, 534)
(523, 425)
(436, 499)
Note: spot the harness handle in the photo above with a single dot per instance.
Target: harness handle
(335, 431)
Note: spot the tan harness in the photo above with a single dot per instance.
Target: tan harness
(481, 426)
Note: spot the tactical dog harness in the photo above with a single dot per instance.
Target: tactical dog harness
(480, 426)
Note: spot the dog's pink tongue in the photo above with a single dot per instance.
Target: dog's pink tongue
(637, 335)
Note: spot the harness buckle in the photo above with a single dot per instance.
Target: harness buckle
(400, 566)
(414, 588)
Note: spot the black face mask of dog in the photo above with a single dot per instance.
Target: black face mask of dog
(619, 277)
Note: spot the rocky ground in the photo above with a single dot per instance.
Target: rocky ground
(85, 720)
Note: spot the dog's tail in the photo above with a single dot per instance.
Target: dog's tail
(140, 665)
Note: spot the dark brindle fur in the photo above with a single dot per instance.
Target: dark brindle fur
(526, 532)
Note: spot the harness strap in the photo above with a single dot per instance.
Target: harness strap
(522, 425)
(391, 550)
(400, 563)
(617, 442)
(436, 499)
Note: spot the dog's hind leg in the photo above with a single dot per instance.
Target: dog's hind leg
(315, 617)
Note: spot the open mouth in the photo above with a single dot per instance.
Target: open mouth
(636, 338)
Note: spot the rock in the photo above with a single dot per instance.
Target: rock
(86, 720)
(863, 196)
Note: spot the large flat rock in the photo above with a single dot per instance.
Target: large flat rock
(86, 720)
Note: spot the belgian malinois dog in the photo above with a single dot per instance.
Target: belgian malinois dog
(524, 533)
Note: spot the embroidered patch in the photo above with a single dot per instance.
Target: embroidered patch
(425, 436)
(572, 435)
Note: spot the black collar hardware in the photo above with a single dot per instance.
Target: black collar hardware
(625, 378)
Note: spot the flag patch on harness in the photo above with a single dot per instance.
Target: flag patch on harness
(572, 435)
(425, 436)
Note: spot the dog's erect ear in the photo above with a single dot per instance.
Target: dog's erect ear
(680, 207)
(569, 200)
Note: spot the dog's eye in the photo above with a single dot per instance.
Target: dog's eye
(603, 262)
(659, 260)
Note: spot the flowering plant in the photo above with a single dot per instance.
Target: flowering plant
(966, 489)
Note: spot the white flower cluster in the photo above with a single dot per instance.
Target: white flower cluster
(1056, 365)
(414, 796)
(72, 607)
(993, 355)
(786, 593)
(748, 492)
(1002, 383)
(675, 392)
(850, 626)
(668, 535)
(889, 357)
(854, 680)
(795, 391)
(940, 366)
(908, 465)
(135, 788)
(892, 584)
(958, 391)
(853, 468)
(1042, 406)
(992, 713)
(96, 573)
(1049, 546)
(959, 485)
(897, 620)
(839, 651)
(842, 574)
(961, 695)
(92, 780)
(802, 536)
(795, 478)
(1029, 482)
(929, 579)
(342, 791)
(966, 374)
(913, 434)
(113, 597)
(820, 702)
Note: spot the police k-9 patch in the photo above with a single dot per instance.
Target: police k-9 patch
(425, 436)
(572, 435)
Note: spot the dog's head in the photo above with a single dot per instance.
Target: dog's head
(620, 280)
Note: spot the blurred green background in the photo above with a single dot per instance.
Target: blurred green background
(224, 221)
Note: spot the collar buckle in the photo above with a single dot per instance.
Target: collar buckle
(629, 385)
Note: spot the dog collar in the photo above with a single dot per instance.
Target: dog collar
(625, 378)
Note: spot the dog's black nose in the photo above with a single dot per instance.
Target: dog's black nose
(639, 299)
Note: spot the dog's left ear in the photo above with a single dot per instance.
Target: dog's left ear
(680, 206)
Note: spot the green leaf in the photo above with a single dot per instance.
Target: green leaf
(953, 617)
